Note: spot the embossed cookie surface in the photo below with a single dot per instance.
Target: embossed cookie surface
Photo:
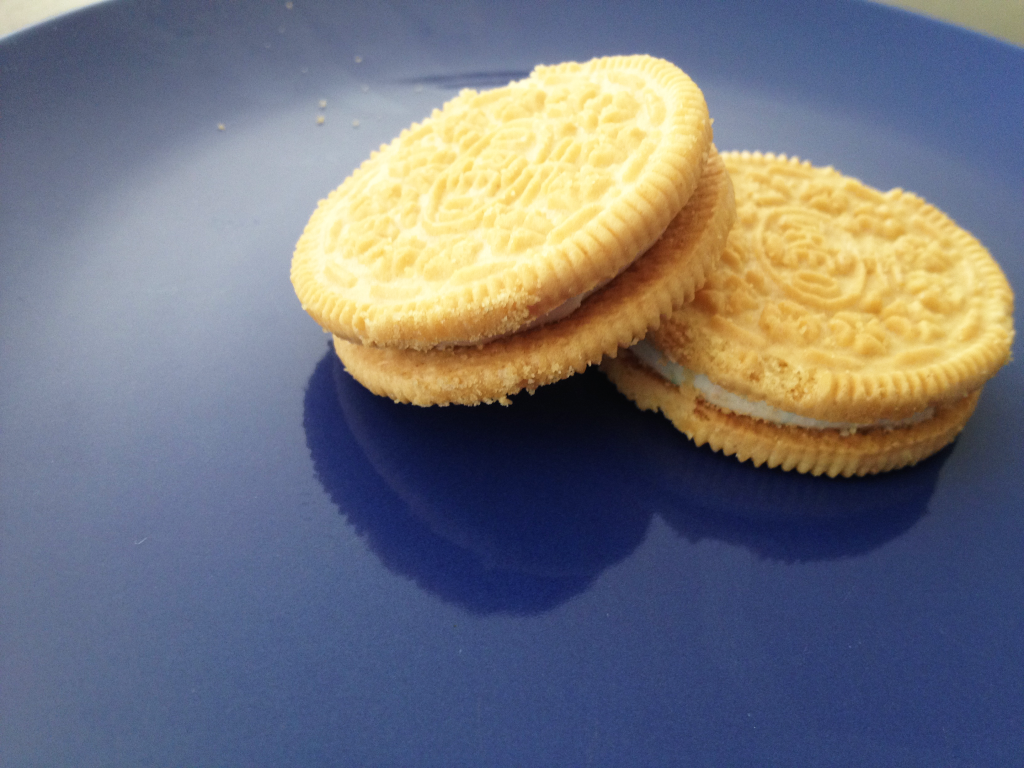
(504, 204)
(836, 301)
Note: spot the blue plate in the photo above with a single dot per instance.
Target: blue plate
(216, 549)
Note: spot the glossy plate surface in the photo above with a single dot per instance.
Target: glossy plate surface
(216, 549)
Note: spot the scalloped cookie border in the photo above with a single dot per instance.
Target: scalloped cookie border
(807, 451)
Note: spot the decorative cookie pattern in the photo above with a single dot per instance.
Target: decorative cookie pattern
(504, 204)
(836, 301)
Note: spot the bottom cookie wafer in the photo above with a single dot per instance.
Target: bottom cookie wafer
(812, 451)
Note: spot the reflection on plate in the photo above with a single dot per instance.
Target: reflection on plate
(518, 509)
(785, 515)
(478, 505)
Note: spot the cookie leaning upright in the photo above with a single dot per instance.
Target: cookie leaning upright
(846, 331)
(615, 316)
(504, 205)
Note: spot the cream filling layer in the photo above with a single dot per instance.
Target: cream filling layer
(560, 312)
(719, 397)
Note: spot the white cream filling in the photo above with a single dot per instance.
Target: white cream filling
(560, 312)
(656, 360)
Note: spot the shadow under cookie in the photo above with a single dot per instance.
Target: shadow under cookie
(510, 510)
(782, 516)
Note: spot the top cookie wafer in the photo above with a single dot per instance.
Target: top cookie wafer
(505, 204)
(838, 302)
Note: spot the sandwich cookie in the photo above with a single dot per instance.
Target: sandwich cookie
(614, 316)
(846, 331)
(503, 211)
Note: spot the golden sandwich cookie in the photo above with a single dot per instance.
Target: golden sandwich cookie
(846, 331)
(614, 316)
(504, 210)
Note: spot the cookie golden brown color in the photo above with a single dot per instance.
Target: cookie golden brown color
(615, 316)
(846, 331)
(504, 206)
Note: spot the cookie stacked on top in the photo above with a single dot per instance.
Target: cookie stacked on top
(518, 235)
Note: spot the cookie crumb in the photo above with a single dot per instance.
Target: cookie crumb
(321, 120)
(355, 123)
(289, 5)
(323, 103)
(358, 59)
(220, 126)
